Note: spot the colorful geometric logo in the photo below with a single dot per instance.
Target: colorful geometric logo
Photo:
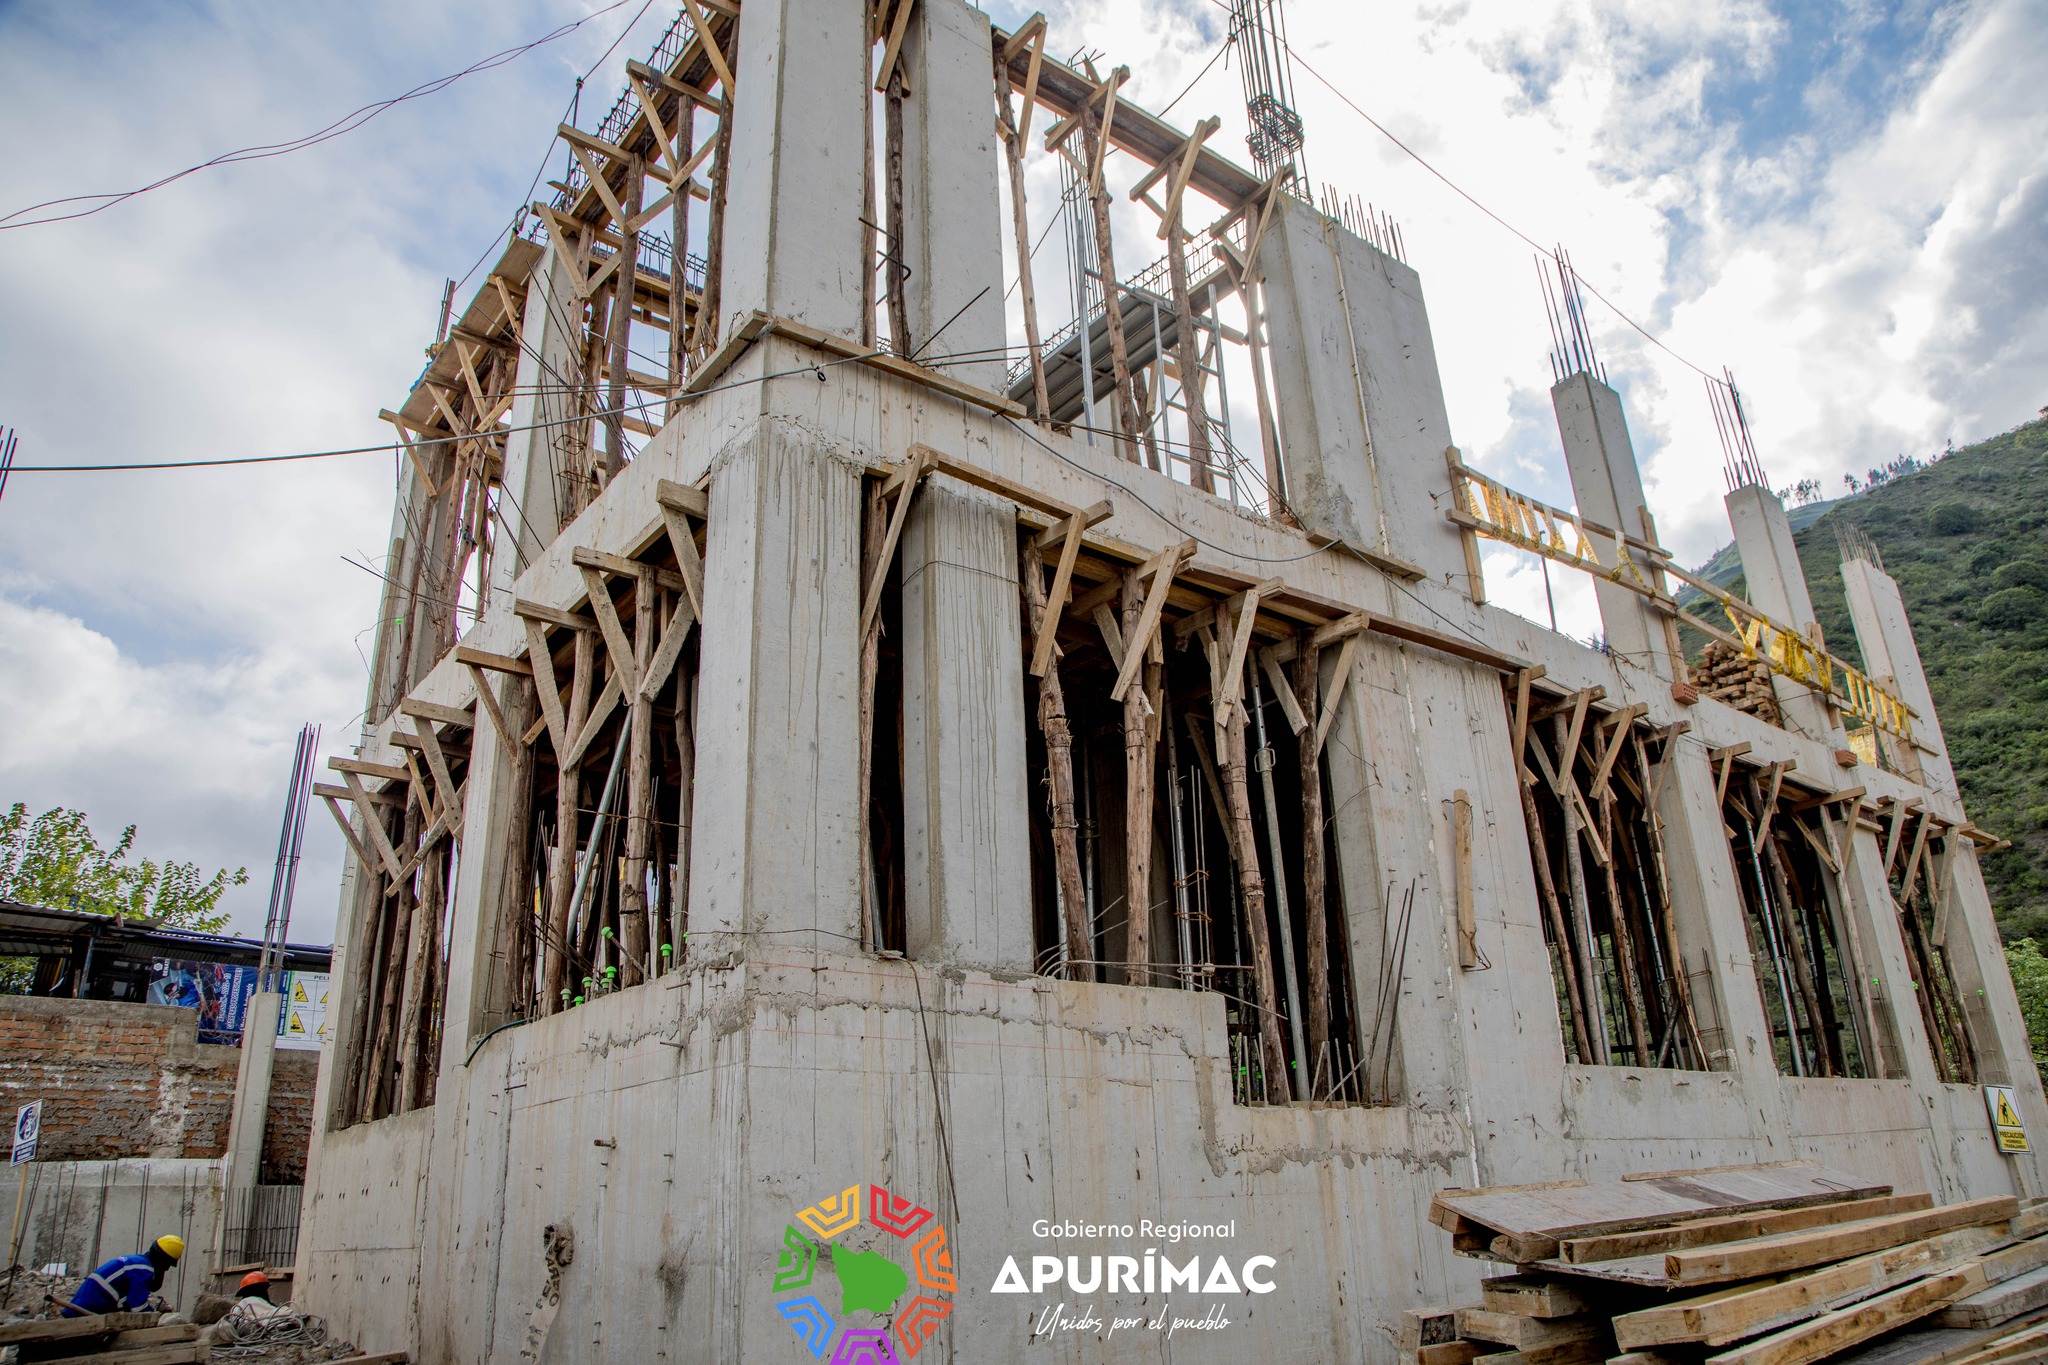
(871, 1279)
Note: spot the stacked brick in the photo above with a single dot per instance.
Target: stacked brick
(125, 1080)
(1725, 674)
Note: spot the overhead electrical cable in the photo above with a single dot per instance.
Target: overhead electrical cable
(1469, 198)
(348, 123)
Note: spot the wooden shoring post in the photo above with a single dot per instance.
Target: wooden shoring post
(1475, 575)
(584, 475)
(636, 934)
(904, 483)
(1788, 915)
(383, 1054)
(1668, 918)
(868, 214)
(679, 262)
(1560, 932)
(620, 354)
(1565, 784)
(1308, 678)
(896, 277)
(1059, 757)
(1093, 135)
(874, 568)
(568, 800)
(686, 811)
(1201, 456)
(704, 332)
(1245, 276)
(1627, 966)
(1252, 887)
(416, 1003)
(1013, 135)
(1069, 535)
(1138, 683)
(1173, 231)
(515, 892)
(369, 911)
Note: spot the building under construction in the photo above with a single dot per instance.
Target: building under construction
(856, 767)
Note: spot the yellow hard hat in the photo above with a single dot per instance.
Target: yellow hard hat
(172, 1245)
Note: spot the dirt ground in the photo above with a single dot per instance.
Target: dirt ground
(25, 1299)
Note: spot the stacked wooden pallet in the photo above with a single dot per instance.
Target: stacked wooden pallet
(1785, 1264)
(1726, 675)
(106, 1339)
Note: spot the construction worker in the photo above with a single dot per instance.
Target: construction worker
(124, 1284)
(252, 1299)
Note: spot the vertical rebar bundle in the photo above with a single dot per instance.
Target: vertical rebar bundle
(1743, 468)
(1376, 226)
(1259, 29)
(289, 841)
(1571, 339)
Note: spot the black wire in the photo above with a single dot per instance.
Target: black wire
(348, 123)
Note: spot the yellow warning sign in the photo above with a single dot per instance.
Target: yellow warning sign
(299, 993)
(297, 1027)
(2006, 1127)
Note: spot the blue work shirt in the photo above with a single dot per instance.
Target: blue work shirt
(122, 1285)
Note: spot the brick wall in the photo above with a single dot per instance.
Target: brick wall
(126, 1080)
(290, 1124)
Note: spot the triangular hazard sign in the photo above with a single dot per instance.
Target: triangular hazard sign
(297, 1028)
(2008, 1117)
(299, 993)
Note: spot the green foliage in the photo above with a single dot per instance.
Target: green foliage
(54, 861)
(2031, 572)
(1952, 519)
(2030, 980)
(1986, 654)
(2013, 608)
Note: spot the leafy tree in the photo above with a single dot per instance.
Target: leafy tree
(54, 861)
(2030, 980)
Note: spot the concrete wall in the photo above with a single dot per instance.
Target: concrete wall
(83, 1213)
(125, 1080)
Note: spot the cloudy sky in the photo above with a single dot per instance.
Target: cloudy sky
(1844, 202)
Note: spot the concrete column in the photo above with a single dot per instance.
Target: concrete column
(252, 1091)
(1884, 635)
(1608, 487)
(1361, 406)
(544, 393)
(776, 846)
(951, 192)
(1777, 587)
(793, 238)
(479, 872)
(967, 857)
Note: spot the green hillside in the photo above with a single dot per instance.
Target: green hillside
(1967, 540)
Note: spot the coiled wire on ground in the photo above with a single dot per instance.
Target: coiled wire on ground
(237, 1337)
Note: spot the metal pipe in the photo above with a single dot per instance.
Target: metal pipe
(1086, 784)
(597, 828)
(1180, 861)
(1777, 951)
(1263, 761)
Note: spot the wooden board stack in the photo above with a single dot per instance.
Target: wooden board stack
(107, 1339)
(1745, 684)
(1783, 1264)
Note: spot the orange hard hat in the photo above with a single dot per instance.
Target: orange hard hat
(254, 1277)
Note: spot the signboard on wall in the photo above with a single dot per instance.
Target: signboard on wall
(302, 1023)
(219, 991)
(28, 1131)
(2004, 1107)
